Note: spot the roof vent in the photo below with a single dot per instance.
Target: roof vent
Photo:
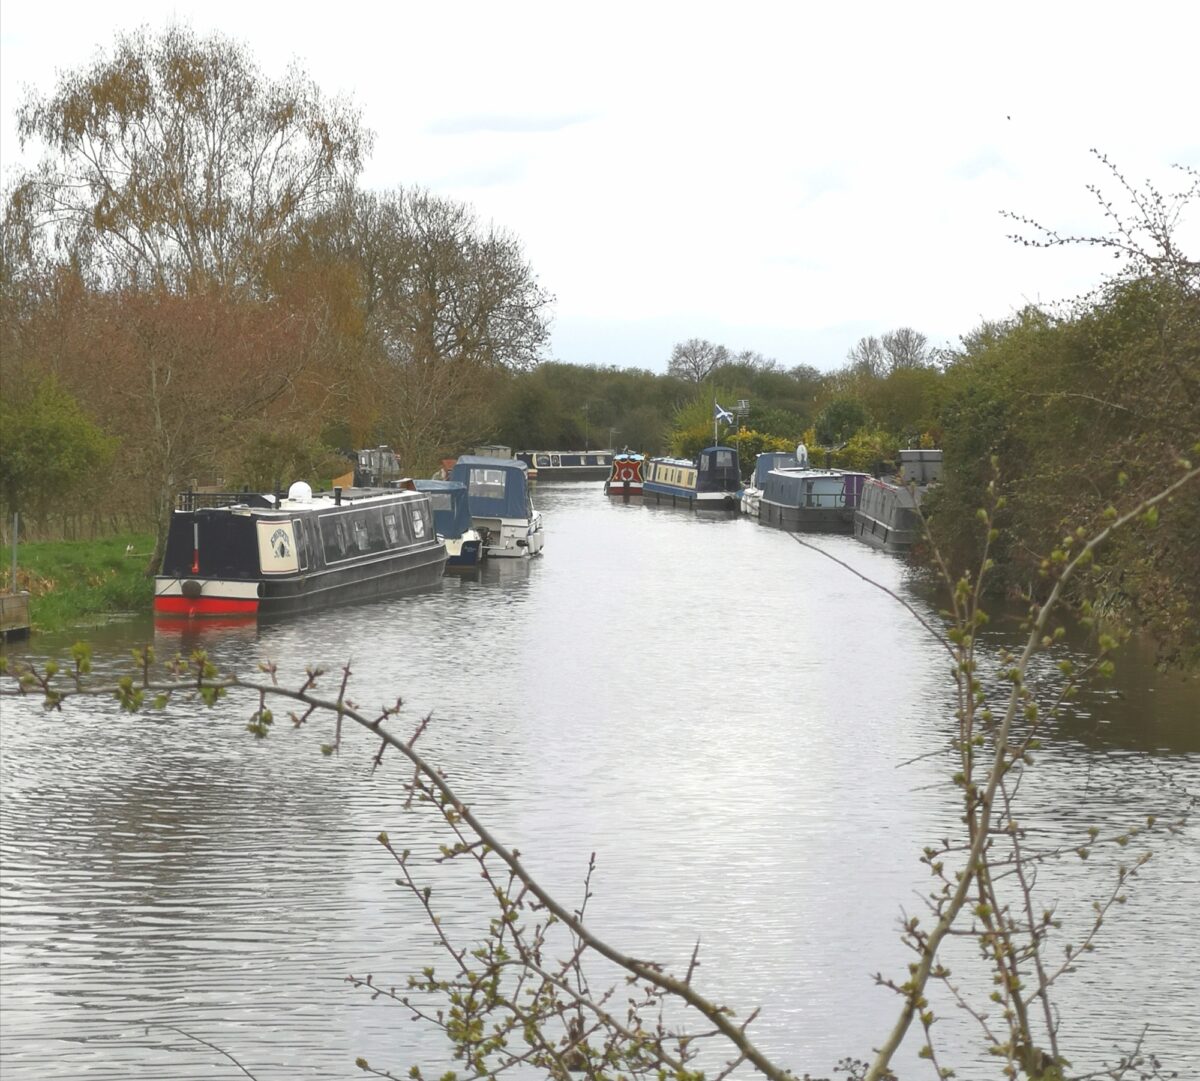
(300, 492)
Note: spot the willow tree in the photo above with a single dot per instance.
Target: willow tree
(173, 162)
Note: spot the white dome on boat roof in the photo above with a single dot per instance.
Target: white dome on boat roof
(300, 491)
(801, 455)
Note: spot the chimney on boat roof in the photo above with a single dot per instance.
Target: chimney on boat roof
(337, 495)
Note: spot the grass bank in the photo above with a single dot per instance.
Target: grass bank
(77, 582)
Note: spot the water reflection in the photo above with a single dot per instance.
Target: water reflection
(716, 711)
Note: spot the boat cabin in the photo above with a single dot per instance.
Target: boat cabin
(712, 480)
(499, 501)
(817, 500)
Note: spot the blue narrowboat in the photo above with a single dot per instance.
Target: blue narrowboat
(452, 521)
(499, 501)
(711, 482)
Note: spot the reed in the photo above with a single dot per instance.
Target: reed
(74, 582)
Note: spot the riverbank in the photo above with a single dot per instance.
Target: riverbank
(74, 583)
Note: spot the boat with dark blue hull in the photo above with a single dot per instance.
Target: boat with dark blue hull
(452, 521)
(710, 482)
(567, 464)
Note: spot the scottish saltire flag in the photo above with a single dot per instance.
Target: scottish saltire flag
(722, 414)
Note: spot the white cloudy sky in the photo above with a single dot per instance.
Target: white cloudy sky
(782, 177)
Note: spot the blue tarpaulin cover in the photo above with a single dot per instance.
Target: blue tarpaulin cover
(451, 515)
(496, 487)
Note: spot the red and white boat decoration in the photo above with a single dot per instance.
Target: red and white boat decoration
(625, 477)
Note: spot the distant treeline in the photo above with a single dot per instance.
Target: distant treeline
(195, 290)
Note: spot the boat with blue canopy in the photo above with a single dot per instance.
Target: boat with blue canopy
(749, 496)
(499, 502)
(452, 521)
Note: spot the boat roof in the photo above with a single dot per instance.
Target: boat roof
(440, 486)
(493, 463)
(692, 461)
(274, 502)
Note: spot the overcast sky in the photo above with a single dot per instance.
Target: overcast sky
(780, 177)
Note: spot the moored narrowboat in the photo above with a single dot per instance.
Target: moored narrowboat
(452, 522)
(567, 464)
(887, 515)
(751, 495)
(811, 500)
(711, 482)
(500, 504)
(248, 554)
(625, 476)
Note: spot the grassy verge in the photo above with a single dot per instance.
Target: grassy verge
(74, 582)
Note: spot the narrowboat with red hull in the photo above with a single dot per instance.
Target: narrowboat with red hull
(625, 477)
(245, 554)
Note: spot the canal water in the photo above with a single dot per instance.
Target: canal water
(749, 737)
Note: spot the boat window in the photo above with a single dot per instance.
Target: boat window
(440, 500)
(724, 459)
(298, 529)
(420, 520)
(555, 459)
(361, 539)
(390, 528)
(542, 459)
(333, 537)
(376, 536)
(704, 459)
(487, 483)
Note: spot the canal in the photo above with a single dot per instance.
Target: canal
(750, 738)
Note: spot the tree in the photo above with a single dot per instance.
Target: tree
(867, 357)
(839, 420)
(49, 448)
(172, 162)
(905, 348)
(185, 383)
(1142, 233)
(449, 310)
(1086, 405)
(696, 359)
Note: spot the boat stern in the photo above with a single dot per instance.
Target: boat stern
(199, 597)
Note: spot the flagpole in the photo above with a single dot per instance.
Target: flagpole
(715, 439)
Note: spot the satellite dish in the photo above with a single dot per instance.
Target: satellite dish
(300, 492)
(802, 455)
